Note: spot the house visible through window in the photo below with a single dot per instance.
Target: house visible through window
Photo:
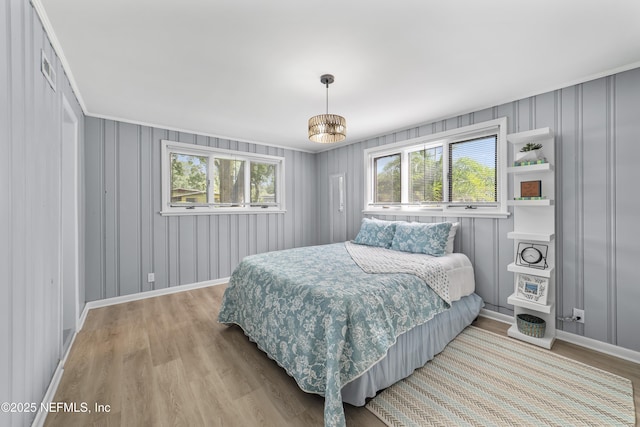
(200, 179)
(459, 172)
(189, 178)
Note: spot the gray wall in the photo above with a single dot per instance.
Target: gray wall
(127, 238)
(30, 236)
(597, 150)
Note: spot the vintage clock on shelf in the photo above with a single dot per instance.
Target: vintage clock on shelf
(532, 255)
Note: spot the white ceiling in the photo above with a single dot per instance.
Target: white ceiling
(250, 69)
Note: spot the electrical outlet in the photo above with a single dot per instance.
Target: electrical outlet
(578, 313)
(151, 277)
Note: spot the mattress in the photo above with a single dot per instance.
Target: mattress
(460, 273)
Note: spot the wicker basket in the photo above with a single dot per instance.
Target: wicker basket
(531, 325)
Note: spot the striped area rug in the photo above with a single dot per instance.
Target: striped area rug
(484, 379)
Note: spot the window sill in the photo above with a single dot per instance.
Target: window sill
(438, 212)
(191, 212)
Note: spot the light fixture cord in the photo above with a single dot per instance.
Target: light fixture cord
(327, 84)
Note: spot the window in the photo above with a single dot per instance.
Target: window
(472, 171)
(228, 182)
(202, 180)
(263, 183)
(189, 178)
(461, 172)
(425, 168)
(387, 179)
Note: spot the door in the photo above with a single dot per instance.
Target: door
(337, 210)
(69, 260)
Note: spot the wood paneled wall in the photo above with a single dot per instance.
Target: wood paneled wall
(597, 150)
(30, 210)
(127, 238)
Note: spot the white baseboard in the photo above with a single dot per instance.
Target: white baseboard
(150, 294)
(590, 343)
(494, 315)
(602, 347)
(41, 416)
(57, 375)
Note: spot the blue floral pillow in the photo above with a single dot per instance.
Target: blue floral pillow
(374, 232)
(419, 238)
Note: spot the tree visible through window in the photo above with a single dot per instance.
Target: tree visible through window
(263, 183)
(228, 181)
(473, 171)
(460, 171)
(201, 179)
(189, 178)
(387, 184)
(425, 167)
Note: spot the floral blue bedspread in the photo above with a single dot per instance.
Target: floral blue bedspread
(321, 317)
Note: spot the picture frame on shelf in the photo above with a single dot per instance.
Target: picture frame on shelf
(531, 188)
(532, 288)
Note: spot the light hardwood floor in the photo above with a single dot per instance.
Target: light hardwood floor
(166, 361)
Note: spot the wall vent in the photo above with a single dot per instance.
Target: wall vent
(48, 71)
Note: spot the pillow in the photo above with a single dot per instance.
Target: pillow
(419, 238)
(452, 236)
(375, 232)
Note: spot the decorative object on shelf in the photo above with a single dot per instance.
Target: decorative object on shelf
(532, 255)
(530, 325)
(532, 288)
(529, 198)
(529, 163)
(531, 188)
(531, 152)
(327, 128)
(530, 146)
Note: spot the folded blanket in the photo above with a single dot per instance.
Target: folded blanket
(377, 260)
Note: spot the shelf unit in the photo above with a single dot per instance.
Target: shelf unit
(544, 167)
(548, 237)
(515, 268)
(544, 202)
(534, 222)
(514, 300)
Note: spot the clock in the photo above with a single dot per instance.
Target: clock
(532, 255)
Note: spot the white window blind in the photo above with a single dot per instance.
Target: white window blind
(459, 172)
(473, 168)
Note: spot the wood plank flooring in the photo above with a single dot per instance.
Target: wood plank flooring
(166, 361)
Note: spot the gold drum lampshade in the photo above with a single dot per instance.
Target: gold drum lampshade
(327, 128)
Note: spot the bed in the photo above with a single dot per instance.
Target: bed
(346, 320)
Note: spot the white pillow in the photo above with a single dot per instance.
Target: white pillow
(452, 236)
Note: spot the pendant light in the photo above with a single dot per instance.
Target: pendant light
(327, 128)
